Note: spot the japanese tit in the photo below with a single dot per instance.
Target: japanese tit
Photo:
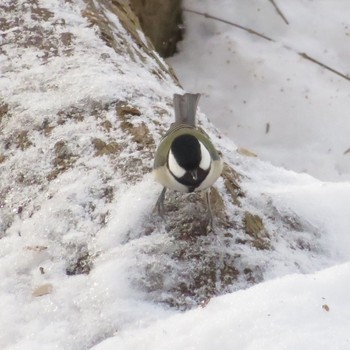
(186, 160)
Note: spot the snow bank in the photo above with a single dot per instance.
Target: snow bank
(306, 312)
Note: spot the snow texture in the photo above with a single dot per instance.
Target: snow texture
(295, 312)
(84, 264)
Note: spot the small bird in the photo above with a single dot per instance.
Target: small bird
(186, 160)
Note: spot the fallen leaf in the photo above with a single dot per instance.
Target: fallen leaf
(325, 307)
(347, 151)
(246, 152)
(36, 248)
(43, 290)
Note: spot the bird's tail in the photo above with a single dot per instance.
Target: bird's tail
(185, 108)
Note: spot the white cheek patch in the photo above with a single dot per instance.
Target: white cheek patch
(206, 159)
(174, 167)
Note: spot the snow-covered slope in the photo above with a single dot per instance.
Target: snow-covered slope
(65, 158)
(82, 257)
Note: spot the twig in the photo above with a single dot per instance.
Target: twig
(251, 31)
(307, 57)
(279, 11)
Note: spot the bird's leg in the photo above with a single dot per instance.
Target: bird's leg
(209, 212)
(160, 203)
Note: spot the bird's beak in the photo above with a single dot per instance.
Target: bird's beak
(194, 174)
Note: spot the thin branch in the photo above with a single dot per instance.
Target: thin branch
(253, 32)
(307, 57)
(279, 11)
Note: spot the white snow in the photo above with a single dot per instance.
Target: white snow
(306, 312)
(247, 83)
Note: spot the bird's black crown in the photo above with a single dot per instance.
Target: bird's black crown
(187, 151)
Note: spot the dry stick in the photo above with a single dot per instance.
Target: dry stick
(251, 31)
(307, 57)
(279, 11)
